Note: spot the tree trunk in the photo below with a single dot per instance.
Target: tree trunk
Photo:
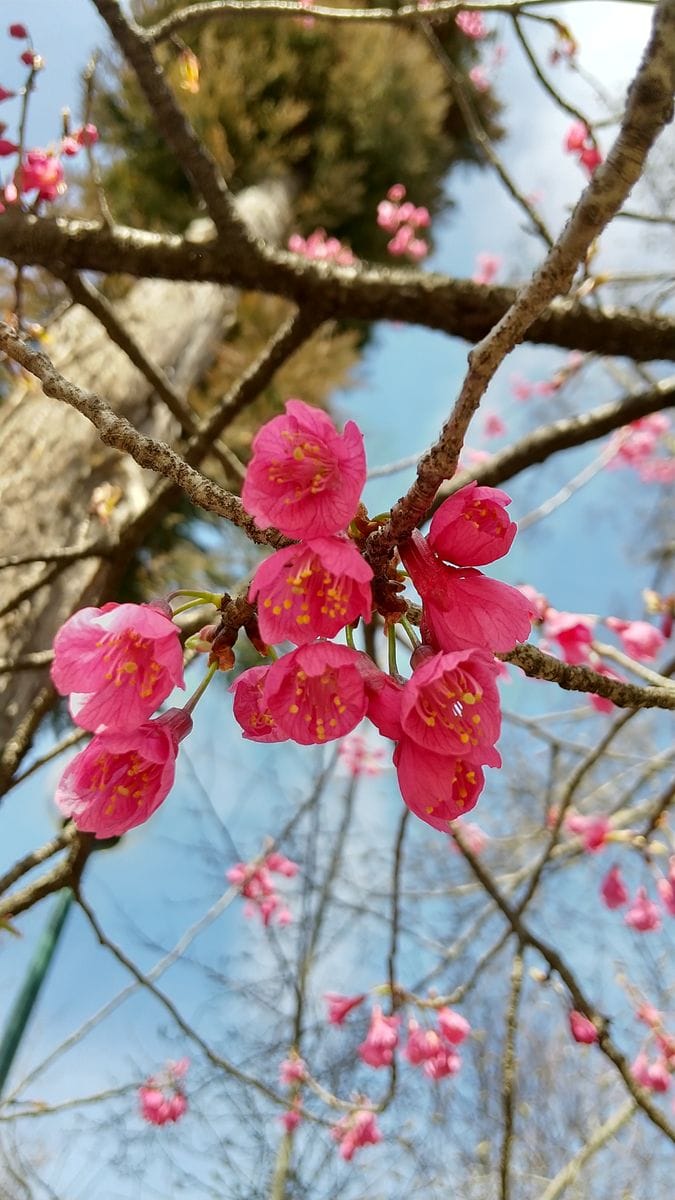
(52, 460)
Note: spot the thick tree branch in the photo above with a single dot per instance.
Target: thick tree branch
(457, 307)
(538, 665)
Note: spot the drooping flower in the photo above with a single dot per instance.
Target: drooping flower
(118, 663)
(305, 477)
(638, 638)
(316, 693)
(613, 890)
(454, 1027)
(463, 607)
(471, 527)
(592, 830)
(582, 1029)
(443, 1063)
(381, 1040)
(339, 1006)
(358, 1128)
(422, 1044)
(572, 631)
(250, 709)
(436, 787)
(450, 706)
(310, 590)
(119, 780)
(643, 915)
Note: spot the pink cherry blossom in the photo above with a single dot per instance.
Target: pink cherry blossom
(638, 638)
(444, 1062)
(451, 706)
(118, 663)
(582, 1029)
(281, 865)
(119, 780)
(654, 1076)
(162, 1099)
(463, 607)
(635, 443)
(479, 78)
(453, 1026)
(436, 787)
(494, 426)
(316, 693)
(357, 1129)
(666, 888)
(381, 1040)
(318, 246)
(18, 31)
(396, 193)
(471, 834)
(537, 600)
(576, 136)
(643, 915)
(422, 1044)
(471, 527)
(613, 890)
(41, 172)
(292, 1070)
(592, 830)
(250, 708)
(291, 1119)
(359, 758)
(87, 134)
(339, 1006)
(471, 24)
(648, 1014)
(572, 631)
(305, 477)
(522, 388)
(312, 589)
(487, 268)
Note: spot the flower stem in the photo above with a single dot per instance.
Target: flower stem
(349, 636)
(391, 639)
(412, 636)
(199, 691)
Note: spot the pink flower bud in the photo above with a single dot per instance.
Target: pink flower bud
(582, 1029)
(18, 31)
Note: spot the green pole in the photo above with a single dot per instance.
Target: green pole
(32, 984)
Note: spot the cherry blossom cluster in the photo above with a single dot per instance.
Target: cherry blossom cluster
(580, 141)
(117, 664)
(319, 247)
(257, 886)
(403, 220)
(472, 24)
(38, 174)
(574, 635)
(162, 1098)
(637, 446)
(356, 1129)
(306, 479)
(433, 1048)
(654, 1066)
